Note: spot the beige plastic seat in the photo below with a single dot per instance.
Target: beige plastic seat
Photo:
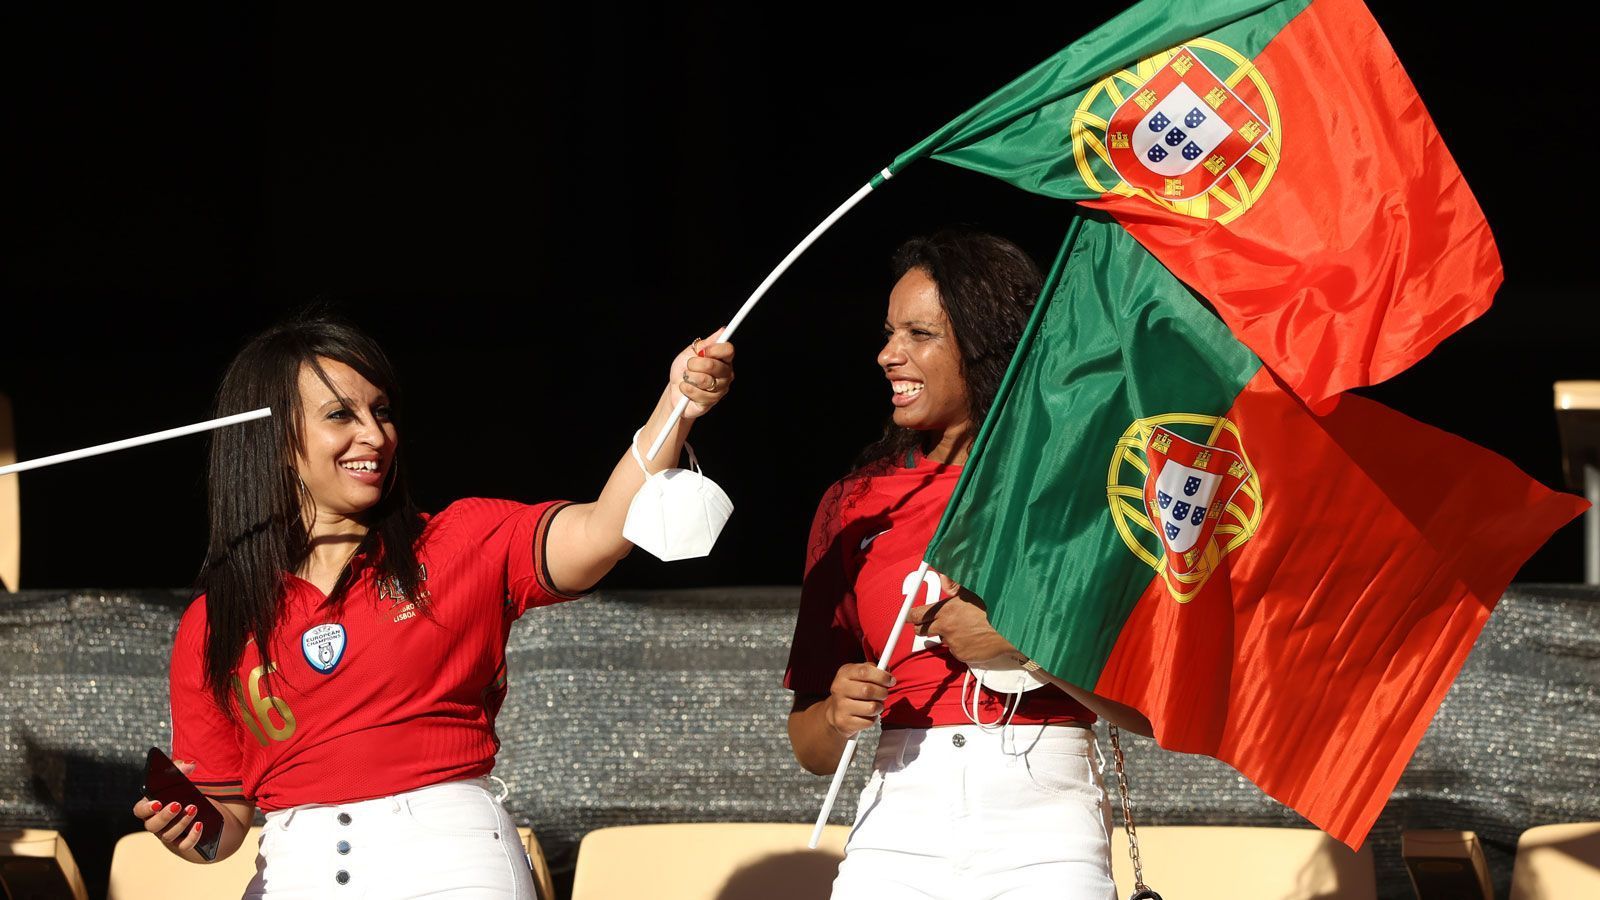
(542, 882)
(1557, 861)
(707, 861)
(36, 863)
(1446, 864)
(142, 869)
(10, 504)
(1217, 862)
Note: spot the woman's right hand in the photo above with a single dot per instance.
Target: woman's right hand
(175, 825)
(856, 698)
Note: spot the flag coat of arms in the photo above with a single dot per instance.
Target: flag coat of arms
(1275, 157)
(1182, 131)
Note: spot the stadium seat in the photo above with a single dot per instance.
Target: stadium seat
(707, 861)
(1578, 420)
(1446, 865)
(543, 884)
(1216, 862)
(1557, 861)
(35, 863)
(142, 869)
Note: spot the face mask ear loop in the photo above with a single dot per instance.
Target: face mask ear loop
(633, 447)
(694, 461)
(1008, 734)
(968, 709)
(972, 711)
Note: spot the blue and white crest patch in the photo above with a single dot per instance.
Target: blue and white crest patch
(323, 646)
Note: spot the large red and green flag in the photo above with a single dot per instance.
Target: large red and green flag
(1273, 155)
(1151, 515)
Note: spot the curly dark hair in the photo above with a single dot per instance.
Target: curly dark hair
(987, 286)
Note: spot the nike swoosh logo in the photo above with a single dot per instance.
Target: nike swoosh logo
(872, 537)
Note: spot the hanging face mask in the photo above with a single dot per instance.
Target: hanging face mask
(677, 513)
(1011, 681)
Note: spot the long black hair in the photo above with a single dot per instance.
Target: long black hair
(987, 286)
(256, 498)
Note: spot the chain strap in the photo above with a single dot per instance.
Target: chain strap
(1140, 889)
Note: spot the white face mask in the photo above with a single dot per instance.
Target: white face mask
(1010, 680)
(1014, 681)
(677, 513)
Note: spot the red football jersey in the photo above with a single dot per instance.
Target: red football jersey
(374, 697)
(866, 542)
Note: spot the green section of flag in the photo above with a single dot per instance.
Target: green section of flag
(1114, 338)
(1022, 132)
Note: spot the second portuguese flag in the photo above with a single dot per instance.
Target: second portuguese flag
(1273, 155)
(1151, 515)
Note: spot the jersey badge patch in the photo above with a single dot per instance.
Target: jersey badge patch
(323, 646)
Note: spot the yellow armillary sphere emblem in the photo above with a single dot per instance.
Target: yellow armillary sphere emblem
(1194, 129)
(1183, 495)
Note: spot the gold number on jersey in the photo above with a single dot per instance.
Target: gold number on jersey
(258, 709)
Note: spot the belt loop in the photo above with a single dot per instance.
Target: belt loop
(288, 817)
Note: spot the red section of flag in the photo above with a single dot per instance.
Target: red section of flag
(1366, 248)
(1315, 656)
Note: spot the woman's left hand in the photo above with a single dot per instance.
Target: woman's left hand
(962, 622)
(703, 372)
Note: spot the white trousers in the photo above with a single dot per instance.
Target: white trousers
(450, 840)
(965, 813)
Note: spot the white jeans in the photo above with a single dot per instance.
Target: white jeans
(967, 813)
(450, 840)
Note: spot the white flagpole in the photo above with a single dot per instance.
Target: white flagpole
(152, 438)
(772, 277)
(850, 745)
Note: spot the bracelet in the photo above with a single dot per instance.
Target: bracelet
(1028, 665)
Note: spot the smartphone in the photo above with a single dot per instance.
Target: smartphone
(163, 782)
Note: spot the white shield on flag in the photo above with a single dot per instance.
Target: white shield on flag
(1178, 133)
(1183, 498)
(1188, 487)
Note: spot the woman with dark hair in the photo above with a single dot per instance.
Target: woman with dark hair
(975, 792)
(342, 669)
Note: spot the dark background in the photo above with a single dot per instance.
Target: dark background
(534, 207)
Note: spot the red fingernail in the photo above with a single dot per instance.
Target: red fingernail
(700, 353)
(173, 808)
(197, 827)
(155, 806)
(189, 810)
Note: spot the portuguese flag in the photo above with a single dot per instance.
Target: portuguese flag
(1150, 514)
(1275, 157)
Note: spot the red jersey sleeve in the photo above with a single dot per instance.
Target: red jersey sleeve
(512, 535)
(201, 732)
(826, 635)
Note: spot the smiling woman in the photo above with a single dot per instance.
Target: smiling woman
(343, 666)
(975, 792)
